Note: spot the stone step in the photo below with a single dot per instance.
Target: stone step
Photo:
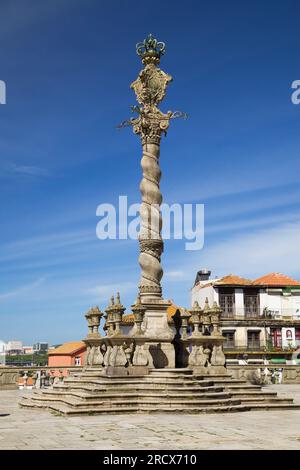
(274, 406)
(160, 391)
(245, 393)
(271, 400)
(75, 399)
(141, 402)
(242, 387)
(145, 380)
(142, 390)
(65, 410)
(225, 380)
(181, 370)
(68, 411)
(166, 373)
(115, 396)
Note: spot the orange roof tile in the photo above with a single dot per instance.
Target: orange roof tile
(276, 279)
(172, 309)
(233, 280)
(67, 348)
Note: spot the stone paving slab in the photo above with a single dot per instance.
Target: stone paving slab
(39, 429)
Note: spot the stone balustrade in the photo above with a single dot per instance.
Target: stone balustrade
(27, 377)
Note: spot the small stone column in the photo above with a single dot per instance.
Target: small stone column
(215, 319)
(93, 317)
(196, 313)
(110, 324)
(185, 316)
(206, 321)
(117, 314)
(138, 310)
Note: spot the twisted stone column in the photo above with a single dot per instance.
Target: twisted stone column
(150, 124)
(150, 89)
(151, 244)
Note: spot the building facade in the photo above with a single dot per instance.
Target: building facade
(259, 316)
(68, 354)
(14, 348)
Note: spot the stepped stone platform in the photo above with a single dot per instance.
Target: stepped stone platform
(160, 391)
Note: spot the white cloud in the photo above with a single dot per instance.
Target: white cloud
(22, 289)
(249, 255)
(103, 292)
(253, 222)
(173, 275)
(13, 169)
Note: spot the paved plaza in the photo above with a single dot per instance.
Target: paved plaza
(34, 429)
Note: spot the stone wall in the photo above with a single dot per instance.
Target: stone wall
(290, 374)
(9, 376)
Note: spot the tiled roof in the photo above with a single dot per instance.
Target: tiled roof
(172, 309)
(67, 348)
(233, 280)
(276, 279)
(272, 279)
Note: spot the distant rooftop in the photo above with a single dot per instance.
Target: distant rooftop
(67, 348)
(274, 279)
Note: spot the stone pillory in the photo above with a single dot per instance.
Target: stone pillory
(156, 365)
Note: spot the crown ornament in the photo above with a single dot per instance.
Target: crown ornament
(150, 50)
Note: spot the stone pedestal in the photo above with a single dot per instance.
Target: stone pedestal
(206, 355)
(210, 370)
(130, 371)
(155, 322)
(161, 336)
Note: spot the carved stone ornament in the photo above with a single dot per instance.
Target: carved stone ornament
(151, 85)
(140, 357)
(217, 356)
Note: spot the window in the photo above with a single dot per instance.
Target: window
(276, 338)
(229, 338)
(251, 302)
(253, 339)
(297, 336)
(78, 361)
(226, 300)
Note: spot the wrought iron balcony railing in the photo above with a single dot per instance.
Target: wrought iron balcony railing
(253, 346)
(261, 313)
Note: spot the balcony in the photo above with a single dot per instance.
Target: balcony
(243, 313)
(253, 346)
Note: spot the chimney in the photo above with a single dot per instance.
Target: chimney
(202, 275)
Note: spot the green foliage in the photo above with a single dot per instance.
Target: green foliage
(40, 359)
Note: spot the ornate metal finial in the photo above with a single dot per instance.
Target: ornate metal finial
(150, 50)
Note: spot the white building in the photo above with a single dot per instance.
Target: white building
(14, 347)
(3, 346)
(261, 314)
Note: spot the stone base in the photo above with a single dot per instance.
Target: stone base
(157, 329)
(9, 386)
(162, 354)
(155, 322)
(210, 370)
(126, 371)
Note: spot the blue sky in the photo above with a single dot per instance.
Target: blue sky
(68, 65)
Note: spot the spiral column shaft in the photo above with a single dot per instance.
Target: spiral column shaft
(151, 244)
